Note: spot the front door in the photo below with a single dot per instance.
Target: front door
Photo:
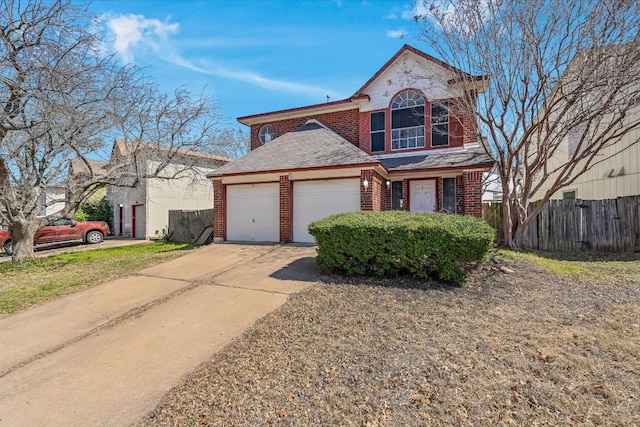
(422, 195)
(138, 222)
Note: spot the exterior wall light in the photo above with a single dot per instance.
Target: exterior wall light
(388, 185)
(365, 183)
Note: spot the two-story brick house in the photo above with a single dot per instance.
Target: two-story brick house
(397, 143)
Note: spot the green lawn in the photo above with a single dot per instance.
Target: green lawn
(33, 281)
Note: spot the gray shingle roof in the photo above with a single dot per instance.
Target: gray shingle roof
(466, 158)
(309, 146)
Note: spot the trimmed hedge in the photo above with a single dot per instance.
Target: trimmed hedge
(396, 242)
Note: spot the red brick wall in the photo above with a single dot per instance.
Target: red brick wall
(218, 209)
(376, 197)
(385, 194)
(456, 126)
(439, 195)
(473, 193)
(366, 195)
(286, 214)
(405, 194)
(344, 123)
(365, 135)
(381, 197)
(470, 125)
(459, 194)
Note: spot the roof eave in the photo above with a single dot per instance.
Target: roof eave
(481, 166)
(217, 175)
(477, 84)
(327, 107)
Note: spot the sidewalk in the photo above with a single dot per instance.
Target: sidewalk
(105, 356)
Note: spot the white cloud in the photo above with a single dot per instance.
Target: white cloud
(396, 34)
(136, 31)
(131, 33)
(218, 70)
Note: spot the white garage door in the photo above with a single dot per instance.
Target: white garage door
(253, 213)
(313, 200)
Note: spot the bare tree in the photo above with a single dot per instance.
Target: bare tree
(231, 143)
(62, 98)
(551, 71)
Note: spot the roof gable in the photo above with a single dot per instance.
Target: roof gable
(456, 74)
(362, 100)
(122, 148)
(311, 146)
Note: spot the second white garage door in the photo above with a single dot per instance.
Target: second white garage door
(313, 200)
(253, 213)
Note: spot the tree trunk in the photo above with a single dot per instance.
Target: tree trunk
(506, 222)
(512, 228)
(517, 239)
(22, 234)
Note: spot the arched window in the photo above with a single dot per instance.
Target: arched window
(407, 120)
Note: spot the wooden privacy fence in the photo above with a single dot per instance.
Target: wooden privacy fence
(611, 225)
(186, 226)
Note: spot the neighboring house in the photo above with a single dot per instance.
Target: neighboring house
(143, 211)
(598, 115)
(615, 173)
(52, 200)
(491, 187)
(392, 145)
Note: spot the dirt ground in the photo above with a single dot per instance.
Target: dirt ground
(524, 348)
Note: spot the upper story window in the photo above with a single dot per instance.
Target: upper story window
(439, 124)
(407, 120)
(266, 133)
(377, 131)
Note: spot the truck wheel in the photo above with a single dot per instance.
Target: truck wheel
(94, 237)
(8, 247)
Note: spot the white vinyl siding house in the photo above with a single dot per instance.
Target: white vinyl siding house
(143, 211)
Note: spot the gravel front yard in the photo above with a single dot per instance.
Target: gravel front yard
(523, 348)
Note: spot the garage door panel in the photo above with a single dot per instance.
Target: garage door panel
(253, 213)
(313, 200)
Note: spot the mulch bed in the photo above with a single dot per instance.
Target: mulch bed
(523, 348)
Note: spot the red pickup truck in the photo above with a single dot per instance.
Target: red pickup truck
(62, 231)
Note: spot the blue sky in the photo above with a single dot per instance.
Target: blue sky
(257, 56)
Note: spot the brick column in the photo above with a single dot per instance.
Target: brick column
(385, 196)
(218, 210)
(366, 195)
(286, 214)
(459, 194)
(405, 194)
(379, 193)
(473, 193)
(439, 195)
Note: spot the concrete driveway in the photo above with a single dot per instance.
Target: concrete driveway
(106, 355)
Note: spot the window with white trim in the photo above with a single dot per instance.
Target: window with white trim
(377, 131)
(439, 124)
(407, 120)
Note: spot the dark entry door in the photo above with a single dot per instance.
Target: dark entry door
(396, 196)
